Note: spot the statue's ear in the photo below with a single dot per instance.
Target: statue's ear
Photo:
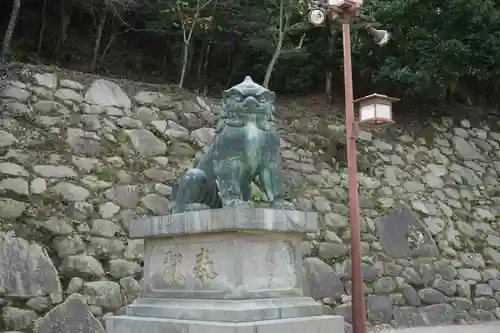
(272, 96)
(220, 125)
(271, 114)
(225, 95)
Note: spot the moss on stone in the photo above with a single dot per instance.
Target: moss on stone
(121, 136)
(109, 147)
(429, 134)
(108, 174)
(53, 143)
(258, 198)
(135, 163)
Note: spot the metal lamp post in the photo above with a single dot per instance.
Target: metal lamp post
(373, 112)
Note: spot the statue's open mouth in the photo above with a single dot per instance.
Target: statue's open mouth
(252, 105)
(256, 111)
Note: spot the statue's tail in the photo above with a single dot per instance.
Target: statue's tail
(197, 158)
(175, 186)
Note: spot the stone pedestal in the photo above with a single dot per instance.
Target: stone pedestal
(224, 270)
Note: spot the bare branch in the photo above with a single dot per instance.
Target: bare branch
(182, 20)
(301, 43)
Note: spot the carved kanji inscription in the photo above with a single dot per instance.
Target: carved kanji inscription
(203, 270)
(171, 272)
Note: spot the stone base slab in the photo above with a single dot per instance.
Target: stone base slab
(223, 220)
(225, 310)
(230, 265)
(317, 324)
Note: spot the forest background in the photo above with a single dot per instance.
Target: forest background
(441, 50)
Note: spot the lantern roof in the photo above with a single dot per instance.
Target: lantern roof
(342, 6)
(373, 96)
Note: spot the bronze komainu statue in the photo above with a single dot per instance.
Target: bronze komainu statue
(246, 149)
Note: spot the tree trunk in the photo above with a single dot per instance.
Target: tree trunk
(279, 45)
(202, 74)
(65, 21)
(328, 86)
(201, 60)
(165, 54)
(65, 25)
(273, 62)
(229, 70)
(42, 29)
(190, 63)
(185, 55)
(10, 29)
(106, 48)
(230, 76)
(112, 38)
(98, 38)
(329, 69)
(205, 66)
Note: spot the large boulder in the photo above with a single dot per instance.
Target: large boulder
(321, 281)
(105, 93)
(26, 270)
(72, 316)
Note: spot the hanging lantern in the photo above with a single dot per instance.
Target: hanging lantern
(375, 110)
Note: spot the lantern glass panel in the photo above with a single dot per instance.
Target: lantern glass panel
(383, 111)
(367, 112)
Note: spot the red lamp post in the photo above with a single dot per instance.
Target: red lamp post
(373, 112)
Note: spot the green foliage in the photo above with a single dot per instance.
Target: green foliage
(439, 49)
(437, 46)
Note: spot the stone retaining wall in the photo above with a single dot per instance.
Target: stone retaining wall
(77, 163)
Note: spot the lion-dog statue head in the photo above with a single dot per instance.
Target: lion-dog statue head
(247, 102)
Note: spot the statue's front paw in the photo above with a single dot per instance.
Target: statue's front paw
(195, 207)
(283, 205)
(192, 207)
(238, 203)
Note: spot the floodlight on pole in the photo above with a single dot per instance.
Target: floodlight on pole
(381, 37)
(317, 16)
